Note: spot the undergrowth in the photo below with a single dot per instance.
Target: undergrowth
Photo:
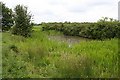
(39, 57)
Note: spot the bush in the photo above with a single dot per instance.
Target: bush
(100, 30)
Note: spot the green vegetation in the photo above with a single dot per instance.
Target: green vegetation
(38, 57)
(7, 17)
(22, 19)
(29, 52)
(104, 29)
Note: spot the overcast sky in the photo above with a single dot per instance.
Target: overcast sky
(68, 10)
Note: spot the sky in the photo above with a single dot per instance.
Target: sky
(68, 10)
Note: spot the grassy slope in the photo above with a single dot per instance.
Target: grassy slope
(39, 57)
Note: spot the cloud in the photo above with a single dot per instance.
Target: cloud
(57, 2)
(68, 10)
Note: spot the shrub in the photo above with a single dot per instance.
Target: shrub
(99, 30)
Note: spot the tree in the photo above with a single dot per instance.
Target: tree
(22, 19)
(7, 17)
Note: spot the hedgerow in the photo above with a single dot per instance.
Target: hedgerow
(98, 30)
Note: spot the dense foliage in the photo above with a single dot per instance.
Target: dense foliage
(22, 19)
(100, 30)
(7, 17)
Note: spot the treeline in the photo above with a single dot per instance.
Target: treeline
(103, 29)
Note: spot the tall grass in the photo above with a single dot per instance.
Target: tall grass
(39, 57)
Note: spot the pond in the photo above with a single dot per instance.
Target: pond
(68, 39)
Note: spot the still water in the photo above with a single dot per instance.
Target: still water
(68, 39)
